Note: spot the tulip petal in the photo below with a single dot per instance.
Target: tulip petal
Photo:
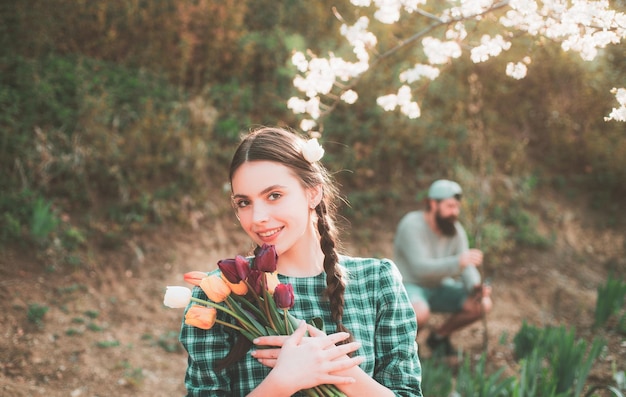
(194, 277)
(266, 258)
(177, 297)
(229, 270)
(239, 288)
(215, 288)
(284, 296)
(201, 316)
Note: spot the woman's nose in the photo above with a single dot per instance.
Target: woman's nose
(260, 213)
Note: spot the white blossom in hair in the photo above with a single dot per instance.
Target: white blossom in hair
(312, 150)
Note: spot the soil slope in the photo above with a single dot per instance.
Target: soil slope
(103, 330)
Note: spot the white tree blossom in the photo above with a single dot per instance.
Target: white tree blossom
(581, 26)
(516, 70)
(349, 97)
(618, 114)
(403, 100)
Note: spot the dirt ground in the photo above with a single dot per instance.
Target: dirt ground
(106, 332)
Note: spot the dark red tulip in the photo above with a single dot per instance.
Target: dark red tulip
(266, 259)
(242, 265)
(229, 270)
(255, 280)
(235, 270)
(283, 296)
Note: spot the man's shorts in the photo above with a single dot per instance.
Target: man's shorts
(448, 297)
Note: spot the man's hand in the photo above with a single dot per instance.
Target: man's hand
(472, 257)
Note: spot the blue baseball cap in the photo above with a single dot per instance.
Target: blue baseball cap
(444, 189)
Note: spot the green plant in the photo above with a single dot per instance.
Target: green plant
(526, 340)
(94, 327)
(105, 344)
(36, 313)
(43, 220)
(571, 360)
(169, 342)
(614, 391)
(568, 360)
(525, 223)
(535, 379)
(438, 381)
(73, 332)
(610, 300)
(621, 325)
(477, 382)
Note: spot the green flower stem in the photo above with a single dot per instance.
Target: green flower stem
(244, 302)
(227, 324)
(252, 291)
(287, 322)
(330, 391)
(249, 327)
(266, 305)
(311, 392)
(246, 325)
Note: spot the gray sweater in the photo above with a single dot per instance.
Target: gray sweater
(426, 258)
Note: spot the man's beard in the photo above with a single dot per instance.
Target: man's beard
(446, 225)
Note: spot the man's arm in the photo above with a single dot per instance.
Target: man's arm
(414, 251)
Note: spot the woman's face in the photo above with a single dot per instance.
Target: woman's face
(272, 206)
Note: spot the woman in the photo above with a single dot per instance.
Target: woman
(284, 197)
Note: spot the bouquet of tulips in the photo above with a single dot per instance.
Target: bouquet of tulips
(250, 293)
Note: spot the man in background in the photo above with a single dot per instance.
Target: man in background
(439, 269)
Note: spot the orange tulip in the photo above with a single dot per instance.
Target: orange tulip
(201, 316)
(215, 288)
(238, 289)
(194, 277)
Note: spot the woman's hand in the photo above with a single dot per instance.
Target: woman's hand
(308, 361)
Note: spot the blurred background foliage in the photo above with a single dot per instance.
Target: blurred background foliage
(117, 116)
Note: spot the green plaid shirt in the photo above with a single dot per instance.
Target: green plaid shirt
(377, 312)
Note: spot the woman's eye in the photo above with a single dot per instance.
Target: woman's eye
(241, 203)
(274, 196)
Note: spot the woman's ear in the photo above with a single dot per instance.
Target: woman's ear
(315, 195)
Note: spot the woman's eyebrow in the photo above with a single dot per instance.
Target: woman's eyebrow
(264, 191)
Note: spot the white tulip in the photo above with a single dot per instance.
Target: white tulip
(177, 297)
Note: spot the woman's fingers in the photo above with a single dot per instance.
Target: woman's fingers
(314, 331)
(279, 340)
(298, 337)
(337, 355)
(343, 364)
(342, 350)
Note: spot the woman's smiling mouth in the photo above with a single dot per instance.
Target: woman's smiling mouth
(269, 233)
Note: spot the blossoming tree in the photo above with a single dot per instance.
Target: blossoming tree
(440, 32)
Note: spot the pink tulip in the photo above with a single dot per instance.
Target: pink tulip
(194, 277)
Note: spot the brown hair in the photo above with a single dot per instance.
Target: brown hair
(284, 147)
